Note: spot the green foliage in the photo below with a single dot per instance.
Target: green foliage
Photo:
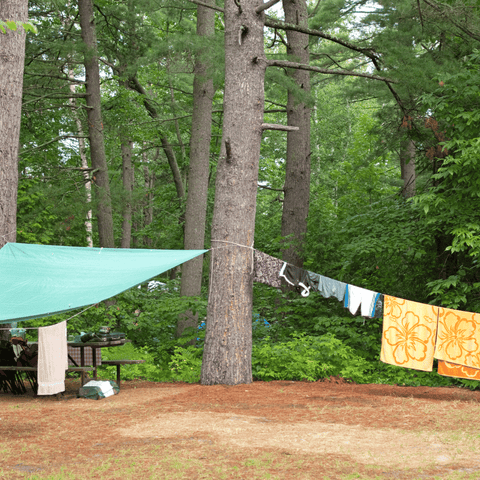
(149, 370)
(306, 358)
(12, 25)
(383, 373)
(451, 204)
(186, 364)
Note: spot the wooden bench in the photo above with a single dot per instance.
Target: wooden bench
(119, 363)
(83, 370)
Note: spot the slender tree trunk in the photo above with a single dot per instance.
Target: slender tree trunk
(12, 56)
(227, 356)
(297, 176)
(172, 161)
(149, 183)
(196, 208)
(134, 84)
(128, 175)
(84, 162)
(149, 180)
(407, 168)
(95, 125)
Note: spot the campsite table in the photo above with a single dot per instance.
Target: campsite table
(94, 346)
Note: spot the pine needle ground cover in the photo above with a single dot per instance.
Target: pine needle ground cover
(327, 429)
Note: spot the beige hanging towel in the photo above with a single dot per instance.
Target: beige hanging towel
(52, 358)
(448, 369)
(409, 331)
(458, 338)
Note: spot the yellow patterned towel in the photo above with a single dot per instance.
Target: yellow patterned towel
(458, 338)
(448, 369)
(409, 331)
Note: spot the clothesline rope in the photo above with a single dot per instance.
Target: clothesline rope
(231, 243)
(73, 316)
(226, 246)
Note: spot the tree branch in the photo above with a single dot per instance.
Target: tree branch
(53, 95)
(273, 23)
(449, 17)
(265, 6)
(56, 139)
(274, 126)
(73, 80)
(203, 4)
(270, 188)
(301, 66)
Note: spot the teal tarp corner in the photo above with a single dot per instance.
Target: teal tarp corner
(41, 280)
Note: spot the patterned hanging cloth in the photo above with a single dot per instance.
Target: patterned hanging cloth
(409, 332)
(448, 369)
(458, 338)
(267, 269)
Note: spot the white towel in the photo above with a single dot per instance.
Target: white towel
(357, 296)
(52, 358)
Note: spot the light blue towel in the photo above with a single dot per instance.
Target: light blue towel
(329, 287)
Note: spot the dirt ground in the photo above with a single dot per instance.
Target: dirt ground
(327, 429)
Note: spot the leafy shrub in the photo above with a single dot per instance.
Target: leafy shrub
(186, 364)
(307, 358)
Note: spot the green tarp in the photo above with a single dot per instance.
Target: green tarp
(41, 280)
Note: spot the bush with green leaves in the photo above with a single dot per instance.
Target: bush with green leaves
(307, 358)
(186, 364)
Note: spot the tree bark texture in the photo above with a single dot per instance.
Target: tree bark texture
(95, 125)
(12, 57)
(407, 168)
(227, 356)
(83, 160)
(128, 175)
(198, 172)
(297, 176)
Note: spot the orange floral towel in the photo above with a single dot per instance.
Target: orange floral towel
(448, 369)
(458, 338)
(409, 331)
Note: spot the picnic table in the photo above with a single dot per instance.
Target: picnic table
(82, 368)
(96, 345)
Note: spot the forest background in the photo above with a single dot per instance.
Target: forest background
(379, 187)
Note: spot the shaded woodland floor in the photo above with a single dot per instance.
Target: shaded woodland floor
(326, 430)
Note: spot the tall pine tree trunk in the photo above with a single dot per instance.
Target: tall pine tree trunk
(297, 176)
(84, 162)
(196, 208)
(128, 176)
(12, 57)
(95, 125)
(227, 356)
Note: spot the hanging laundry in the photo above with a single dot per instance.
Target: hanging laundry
(329, 287)
(360, 297)
(298, 277)
(458, 338)
(267, 269)
(52, 358)
(379, 307)
(448, 369)
(409, 332)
